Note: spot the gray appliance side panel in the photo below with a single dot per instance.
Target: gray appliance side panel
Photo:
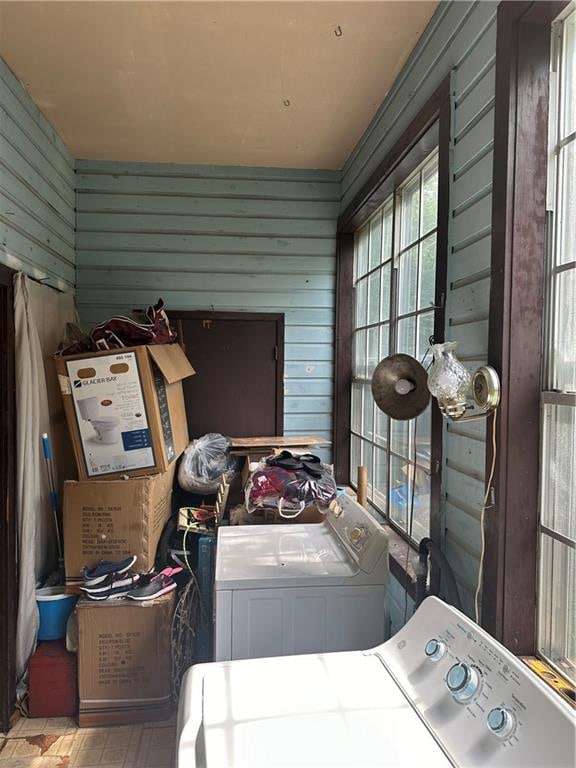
(283, 622)
(222, 625)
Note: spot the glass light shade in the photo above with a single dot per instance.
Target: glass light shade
(448, 380)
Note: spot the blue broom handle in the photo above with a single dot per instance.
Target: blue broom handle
(53, 493)
(46, 447)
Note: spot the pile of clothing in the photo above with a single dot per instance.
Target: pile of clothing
(289, 483)
(114, 579)
(121, 331)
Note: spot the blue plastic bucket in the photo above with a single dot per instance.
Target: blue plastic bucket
(54, 607)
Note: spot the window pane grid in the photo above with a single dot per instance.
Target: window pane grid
(394, 290)
(557, 528)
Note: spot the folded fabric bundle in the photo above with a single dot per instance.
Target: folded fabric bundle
(290, 483)
(121, 331)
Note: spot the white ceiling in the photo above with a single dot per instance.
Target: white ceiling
(287, 84)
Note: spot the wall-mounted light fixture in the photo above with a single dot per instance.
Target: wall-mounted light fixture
(452, 385)
(400, 386)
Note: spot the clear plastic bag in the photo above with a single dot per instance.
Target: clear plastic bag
(204, 462)
(289, 484)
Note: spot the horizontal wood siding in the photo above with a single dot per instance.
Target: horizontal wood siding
(400, 605)
(37, 217)
(210, 237)
(460, 39)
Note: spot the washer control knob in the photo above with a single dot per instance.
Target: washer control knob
(357, 534)
(463, 681)
(335, 508)
(500, 722)
(435, 649)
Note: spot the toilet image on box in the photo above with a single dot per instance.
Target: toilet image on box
(106, 427)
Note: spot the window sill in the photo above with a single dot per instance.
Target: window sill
(552, 678)
(402, 556)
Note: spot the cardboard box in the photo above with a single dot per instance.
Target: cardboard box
(113, 519)
(241, 516)
(124, 661)
(249, 461)
(125, 409)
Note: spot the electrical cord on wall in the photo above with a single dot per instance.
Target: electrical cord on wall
(485, 506)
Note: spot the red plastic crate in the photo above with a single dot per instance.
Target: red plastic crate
(53, 687)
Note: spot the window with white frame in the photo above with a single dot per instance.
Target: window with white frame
(394, 292)
(557, 536)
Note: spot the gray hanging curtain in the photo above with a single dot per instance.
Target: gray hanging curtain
(35, 537)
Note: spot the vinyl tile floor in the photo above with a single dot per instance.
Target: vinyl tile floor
(58, 743)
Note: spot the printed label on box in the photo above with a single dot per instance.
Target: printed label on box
(99, 535)
(162, 397)
(110, 413)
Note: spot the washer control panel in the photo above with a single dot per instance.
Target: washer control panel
(359, 532)
(483, 704)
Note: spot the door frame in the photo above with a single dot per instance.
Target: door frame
(278, 317)
(8, 571)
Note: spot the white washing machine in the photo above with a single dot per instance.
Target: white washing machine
(440, 693)
(290, 589)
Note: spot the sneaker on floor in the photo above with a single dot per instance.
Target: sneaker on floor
(113, 585)
(158, 585)
(92, 576)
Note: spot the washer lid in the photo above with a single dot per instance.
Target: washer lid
(252, 556)
(338, 710)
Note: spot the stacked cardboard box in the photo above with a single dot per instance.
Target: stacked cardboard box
(127, 421)
(124, 661)
(110, 519)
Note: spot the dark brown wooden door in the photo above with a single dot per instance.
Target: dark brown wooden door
(239, 363)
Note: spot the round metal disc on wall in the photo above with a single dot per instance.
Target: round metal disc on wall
(486, 388)
(400, 387)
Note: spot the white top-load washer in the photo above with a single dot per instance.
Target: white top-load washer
(310, 588)
(440, 693)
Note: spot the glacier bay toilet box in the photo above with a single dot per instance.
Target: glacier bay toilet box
(125, 409)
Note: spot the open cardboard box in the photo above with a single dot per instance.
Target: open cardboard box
(125, 409)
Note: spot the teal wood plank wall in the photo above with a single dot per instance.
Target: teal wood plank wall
(264, 239)
(460, 39)
(203, 237)
(37, 198)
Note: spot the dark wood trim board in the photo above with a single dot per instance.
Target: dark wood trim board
(343, 357)
(431, 128)
(515, 331)
(8, 560)
(419, 139)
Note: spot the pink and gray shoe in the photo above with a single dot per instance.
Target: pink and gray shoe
(156, 585)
